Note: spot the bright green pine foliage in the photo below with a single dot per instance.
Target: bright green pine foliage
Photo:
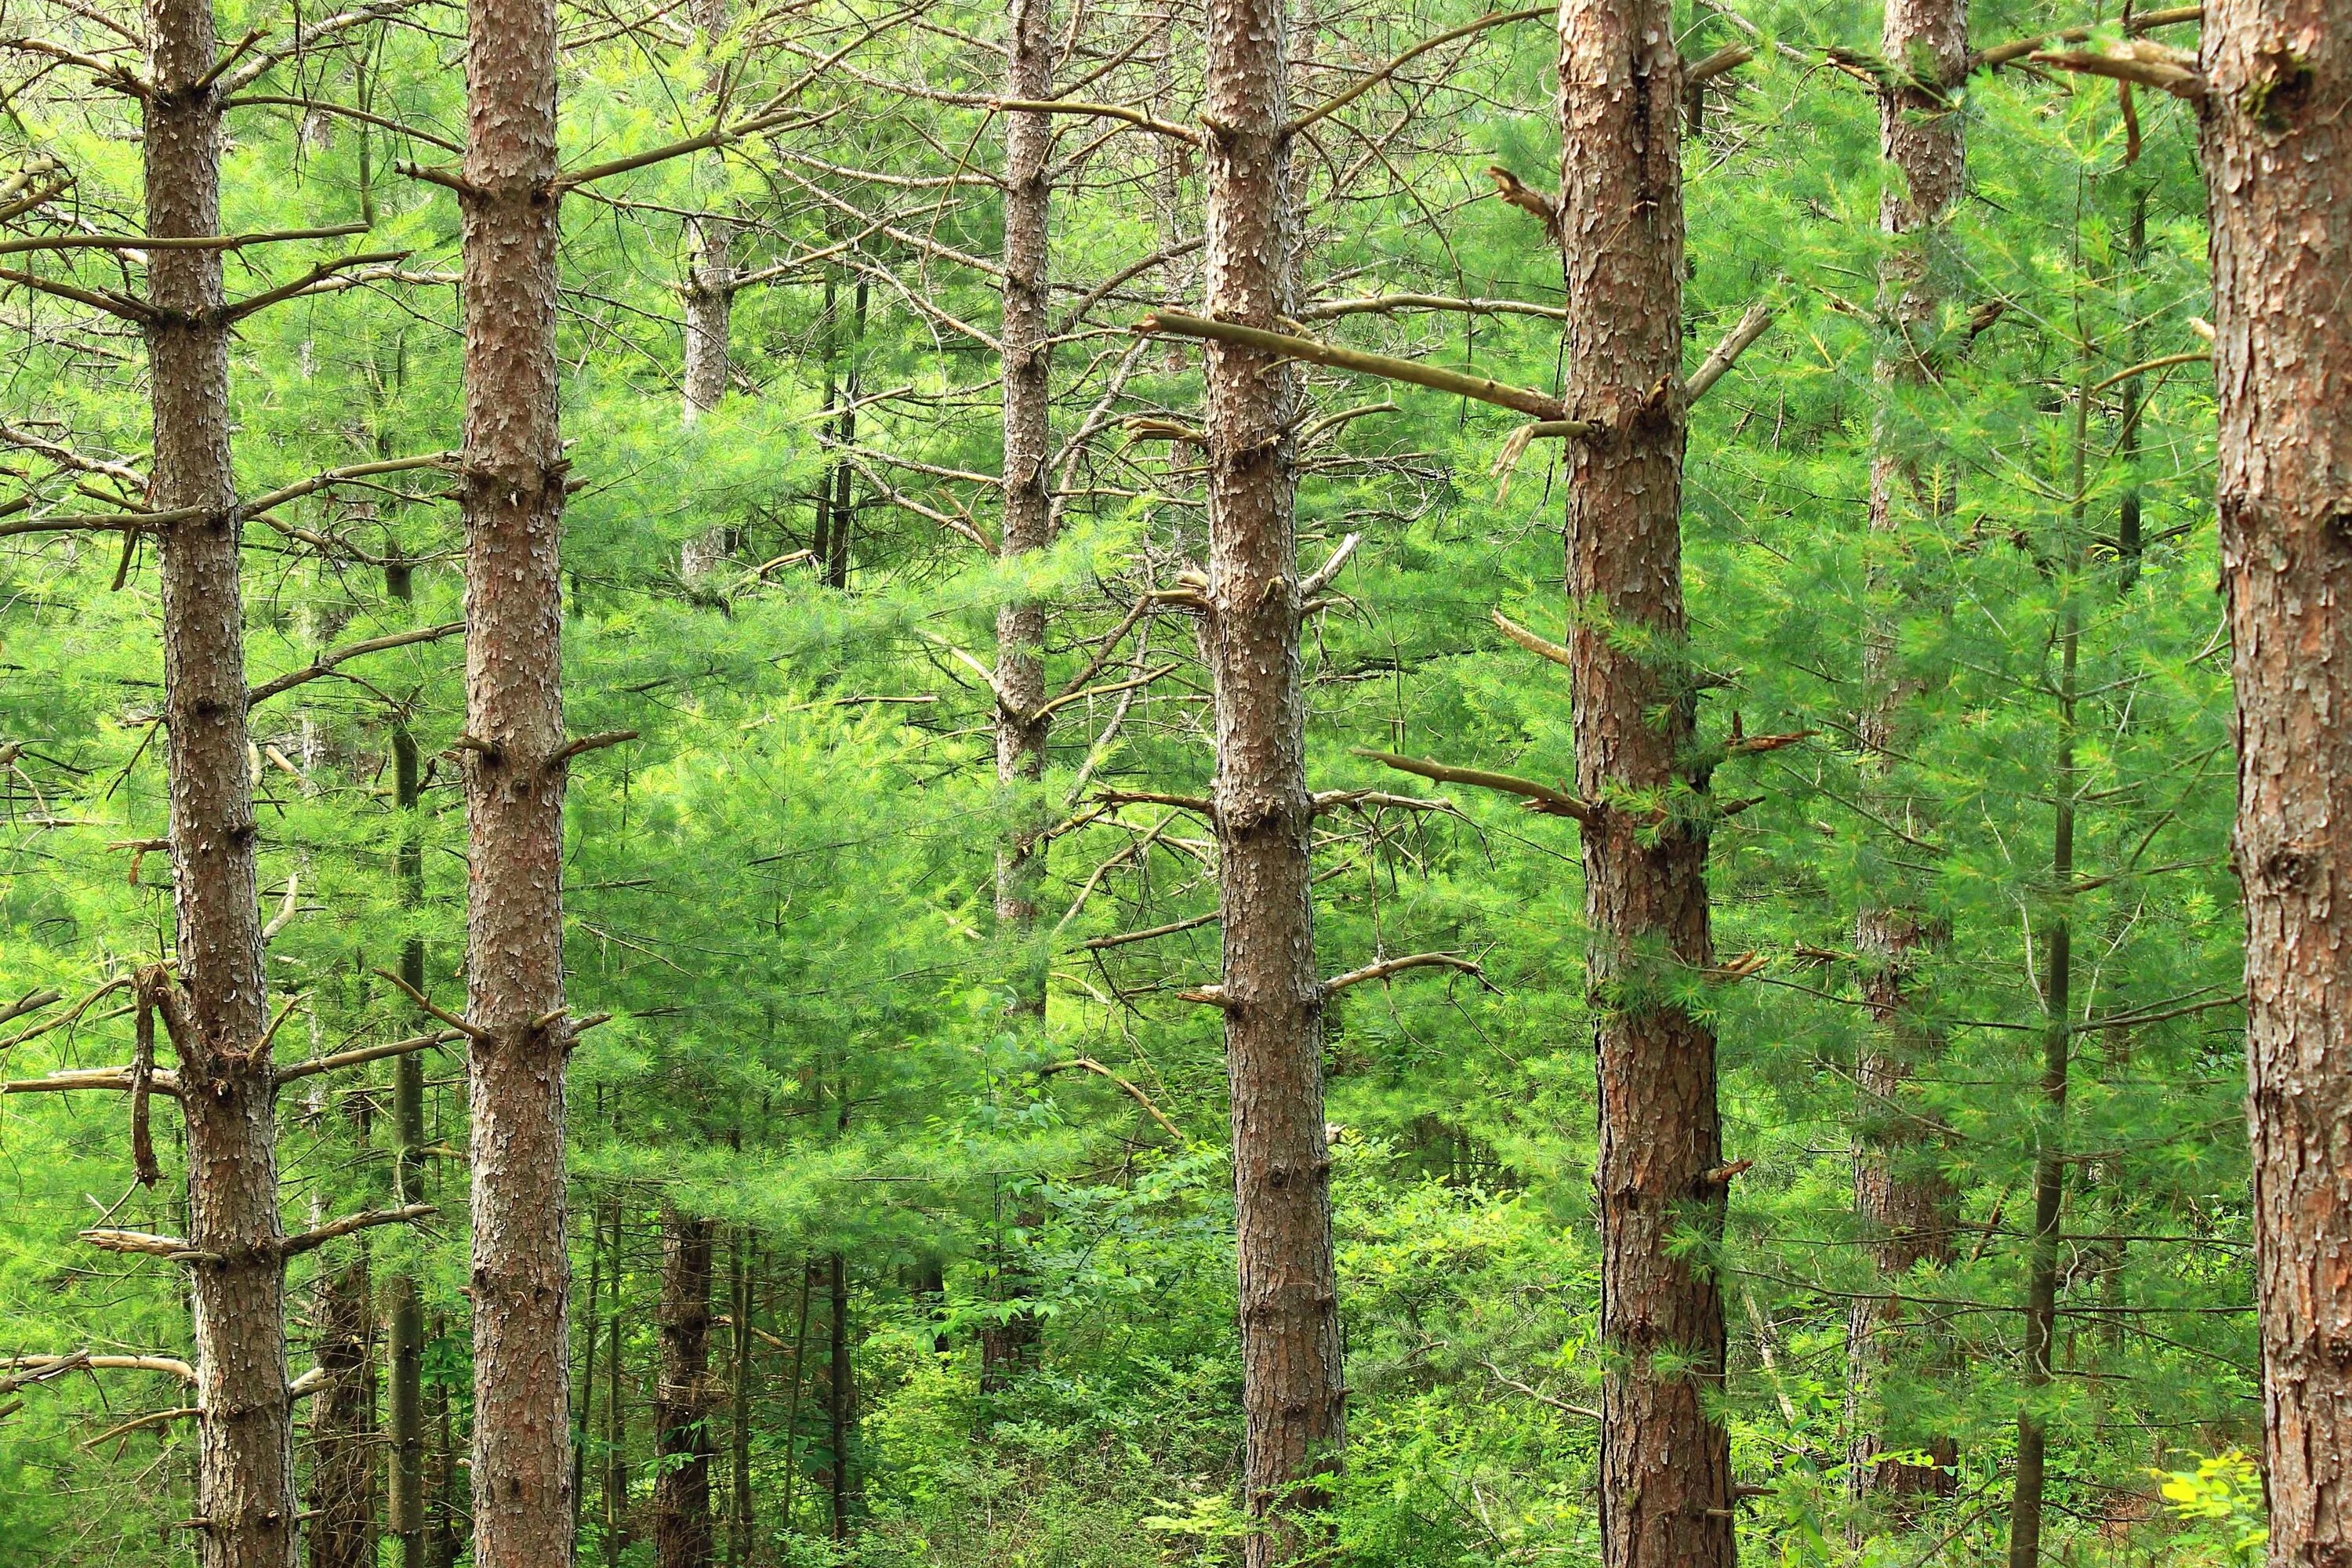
(780, 887)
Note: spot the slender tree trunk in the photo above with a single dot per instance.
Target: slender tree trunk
(450, 1508)
(840, 1400)
(342, 1529)
(2049, 1145)
(513, 502)
(616, 1490)
(793, 1401)
(216, 1007)
(584, 1410)
(683, 1406)
(1293, 1391)
(2050, 1115)
(710, 290)
(1905, 1206)
(843, 514)
(406, 1304)
(739, 1403)
(1665, 1481)
(2278, 159)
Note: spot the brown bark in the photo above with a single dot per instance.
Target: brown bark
(2278, 160)
(1665, 1483)
(1008, 1348)
(685, 1401)
(340, 1532)
(738, 1399)
(513, 502)
(1293, 1392)
(406, 1337)
(1904, 1205)
(216, 1007)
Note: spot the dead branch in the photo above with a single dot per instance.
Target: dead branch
(1540, 797)
(311, 1240)
(326, 662)
(1389, 966)
(1175, 324)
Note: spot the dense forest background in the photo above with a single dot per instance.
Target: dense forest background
(902, 1232)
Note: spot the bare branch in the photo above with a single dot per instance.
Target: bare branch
(1540, 646)
(311, 1240)
(24, 1370)
(1389, 966)
(1492, 19)
(269, 297)
(361, 1055)
(469, 1031)
(1089, 1065)
(2141, 61)
(1540, 797)
(326, 663)
(1175, 324)
(1134, 117)
(1388, 304)
(147, 242)
(1727, 353)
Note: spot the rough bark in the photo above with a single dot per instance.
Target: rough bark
(2278, 160)
(1665, 1483)
(684, 1396)
(1293, 1393)
(513, 502)
(405, 1303)
(1008, 1348)
(1904, 1205)
(216, 1006)
(340, 1532)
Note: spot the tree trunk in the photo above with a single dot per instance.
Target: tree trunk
(841, 1401)
(450, 1510)
(739, 1403)
(513, 502)
(406, 1303)
(1009, 1347)
(1293, 1389)
(2050, 1146)
(615, 1488)
(1665, 1481)
(683, 1406)
(342, 1530)
(710, 290)
(216, 1008)
(1905, 1206)
(2278, 158)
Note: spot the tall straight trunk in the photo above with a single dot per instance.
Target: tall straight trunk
(2043, 1257)
(738, 1400)
(683, 1406)
(835, 554)
(405, 1307)
(450, 1507)
(1905, 1206)
(513, 502)
(2278, 159)
(584, 1410)
(342, 1529)
(2050, 1147)
(1666, 1469)
(1028, 525)
(615, 1491)
(1292, 1390)
(216, 1007)
(793, 1401)
(840, 1400)
(709, 292)
(1011, 1346)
